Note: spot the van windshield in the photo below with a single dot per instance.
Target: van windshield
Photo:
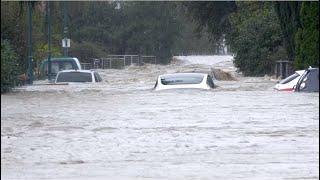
(74, 77)
(57, 66)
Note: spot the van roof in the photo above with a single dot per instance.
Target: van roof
(80, 71)
(62, 58)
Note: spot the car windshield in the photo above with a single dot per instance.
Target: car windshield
(181, 79)
(290, 78)
(74, 77)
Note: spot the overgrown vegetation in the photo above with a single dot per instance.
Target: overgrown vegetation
(307, 36)
(256, 38)
(9, 67)
(145, 28)
(213, 17)
(299, 23)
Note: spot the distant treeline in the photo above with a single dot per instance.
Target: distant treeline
(97, 29)
(257, 33)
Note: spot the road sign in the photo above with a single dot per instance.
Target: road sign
(66, 42)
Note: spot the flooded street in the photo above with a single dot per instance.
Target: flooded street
(122, 129)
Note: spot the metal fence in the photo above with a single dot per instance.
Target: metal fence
(149, 59)
(118, 61)
(284, 68)
(86, 66)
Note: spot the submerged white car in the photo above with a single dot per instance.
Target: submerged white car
(77, 76)
(288, 83)
(184, 81)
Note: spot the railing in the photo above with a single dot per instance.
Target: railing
(85, 66)
(118, 61)
(283, 68)
(149, 59)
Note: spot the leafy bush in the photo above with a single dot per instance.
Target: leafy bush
(307, 37)
(255, 38)
(9, 67)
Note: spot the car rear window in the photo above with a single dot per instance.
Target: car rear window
(74, 77)
(181, 79)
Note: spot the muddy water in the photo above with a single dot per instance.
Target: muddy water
(121, 129)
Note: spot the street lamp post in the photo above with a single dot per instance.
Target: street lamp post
(49, 39)
(65, 27)
(30, 63)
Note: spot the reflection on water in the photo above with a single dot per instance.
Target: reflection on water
(122, 129)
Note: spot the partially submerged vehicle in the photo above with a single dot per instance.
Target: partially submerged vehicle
(58, 64)
(309, 81)
(288, 83)
(77, 76)
(184, 81)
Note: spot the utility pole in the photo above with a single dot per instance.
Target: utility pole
(49, 38)
(65, 27)
(30, 63)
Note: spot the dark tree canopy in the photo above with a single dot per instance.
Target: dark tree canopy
(212, 15)
(289, 17)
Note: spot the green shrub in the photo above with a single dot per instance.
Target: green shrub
(255, 38)
(9, 67)
(307, 37)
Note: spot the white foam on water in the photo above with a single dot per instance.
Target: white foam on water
(207, 60)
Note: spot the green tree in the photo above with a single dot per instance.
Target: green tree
(212, 16)
(255, 38)
(13, 28)
(9, 66)
(288, 14)
(190, 40)
(136, 28)
(307, 36)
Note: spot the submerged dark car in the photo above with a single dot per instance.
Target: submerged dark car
(309, 81)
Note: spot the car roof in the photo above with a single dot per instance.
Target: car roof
(80, 71)
(182, 75)
(313, 69)
(300, 72)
